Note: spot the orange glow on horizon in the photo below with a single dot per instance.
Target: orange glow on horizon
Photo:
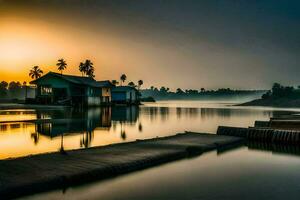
(26, 43)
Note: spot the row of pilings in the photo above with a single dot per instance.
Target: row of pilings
(274, 147)
(263, 135)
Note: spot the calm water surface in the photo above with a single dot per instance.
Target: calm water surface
(252, 172)
(73, 129)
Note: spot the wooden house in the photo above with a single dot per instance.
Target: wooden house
(55, 88)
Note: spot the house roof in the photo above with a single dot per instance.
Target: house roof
(123, 89)
(81, 80)
(105, 83)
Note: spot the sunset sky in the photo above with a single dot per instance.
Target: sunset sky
(174, 43)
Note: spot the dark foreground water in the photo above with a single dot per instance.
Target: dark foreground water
(74, 129)
(241, 173)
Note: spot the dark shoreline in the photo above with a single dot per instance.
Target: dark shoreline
(44, 172)
(274, 102)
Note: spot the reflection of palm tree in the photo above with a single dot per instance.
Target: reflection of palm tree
(140, 127)
(62, 65)
(123, 78)
(123, 133)
(87, 140)
(35, 72)
(35, 136)
(62, 150)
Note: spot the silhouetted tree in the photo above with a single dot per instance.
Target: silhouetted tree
(14, 85)
(123, 78)
(90, 72)
(3, 88)
(14, 88)
(35, 72)
(82, 68)
(115, 82)
(281, 91)
(164, 90)
(266, 95)
(140, 83)
(179, 91)
(61, 64)
(89, 68)
(276, 89)
(131, 84)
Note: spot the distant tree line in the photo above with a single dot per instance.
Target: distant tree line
(280, 91)
(165, 93)
(14, 90)
(123, 78)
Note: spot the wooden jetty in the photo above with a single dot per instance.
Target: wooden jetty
(38, 173)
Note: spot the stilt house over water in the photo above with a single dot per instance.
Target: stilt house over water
(55, 88)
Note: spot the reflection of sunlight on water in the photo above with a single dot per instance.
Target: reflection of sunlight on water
(73, 129)
(17, 115)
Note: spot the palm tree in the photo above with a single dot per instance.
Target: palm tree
(89, 68)
(61, 64)
(35, 72)
(115, 82)
(140, 83)
(123, 78)
(82, 68)
(90, 72)
(131, 84)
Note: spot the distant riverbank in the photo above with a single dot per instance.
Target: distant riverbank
(274, 102)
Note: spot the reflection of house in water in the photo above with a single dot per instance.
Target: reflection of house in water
(73, 122)
(55, 123)
(220, 112)
(125, 113)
